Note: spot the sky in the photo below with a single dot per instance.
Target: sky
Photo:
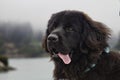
(38, 12)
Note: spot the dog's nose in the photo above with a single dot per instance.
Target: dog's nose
(52, 38)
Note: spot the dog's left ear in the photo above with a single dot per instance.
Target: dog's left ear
(96, 33)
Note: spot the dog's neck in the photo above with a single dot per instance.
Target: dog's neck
(104, 52)
(87, 68)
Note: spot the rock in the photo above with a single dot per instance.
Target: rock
(4, 64)
(1, 64)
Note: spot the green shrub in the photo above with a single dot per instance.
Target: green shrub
(33, 50)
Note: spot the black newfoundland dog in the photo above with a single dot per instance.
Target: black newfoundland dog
(78, 46)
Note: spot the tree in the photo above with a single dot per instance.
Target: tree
(2, 50)
(22, 35)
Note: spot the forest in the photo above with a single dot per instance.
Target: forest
(20, 40)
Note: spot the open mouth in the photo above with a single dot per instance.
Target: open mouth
(65, 57)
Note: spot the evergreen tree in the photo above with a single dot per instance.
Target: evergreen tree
(2, 50)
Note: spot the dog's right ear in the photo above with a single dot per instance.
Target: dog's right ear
(44, 43)
(94, 35)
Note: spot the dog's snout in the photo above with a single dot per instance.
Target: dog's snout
(53, 38)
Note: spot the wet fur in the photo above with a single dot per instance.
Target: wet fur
(92, 42)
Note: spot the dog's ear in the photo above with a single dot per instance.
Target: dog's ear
(95, 34)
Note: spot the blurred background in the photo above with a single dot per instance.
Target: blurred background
(22, 27)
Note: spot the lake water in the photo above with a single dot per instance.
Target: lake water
(29, 69)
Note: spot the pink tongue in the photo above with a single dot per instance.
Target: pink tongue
(66, 58)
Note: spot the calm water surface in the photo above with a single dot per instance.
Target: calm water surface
(29, 69)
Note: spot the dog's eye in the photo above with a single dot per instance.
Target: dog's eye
(69, 29)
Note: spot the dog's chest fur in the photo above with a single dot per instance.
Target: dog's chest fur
(75, 71)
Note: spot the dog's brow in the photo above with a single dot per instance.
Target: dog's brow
(56, 30)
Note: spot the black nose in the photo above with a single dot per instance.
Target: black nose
(52, 38)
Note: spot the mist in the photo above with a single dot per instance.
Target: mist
(38, 12)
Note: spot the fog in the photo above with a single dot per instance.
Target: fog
(37, 12)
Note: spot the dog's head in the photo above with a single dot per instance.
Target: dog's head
(71, 32)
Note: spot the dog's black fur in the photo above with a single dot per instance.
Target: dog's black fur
(85, 40)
